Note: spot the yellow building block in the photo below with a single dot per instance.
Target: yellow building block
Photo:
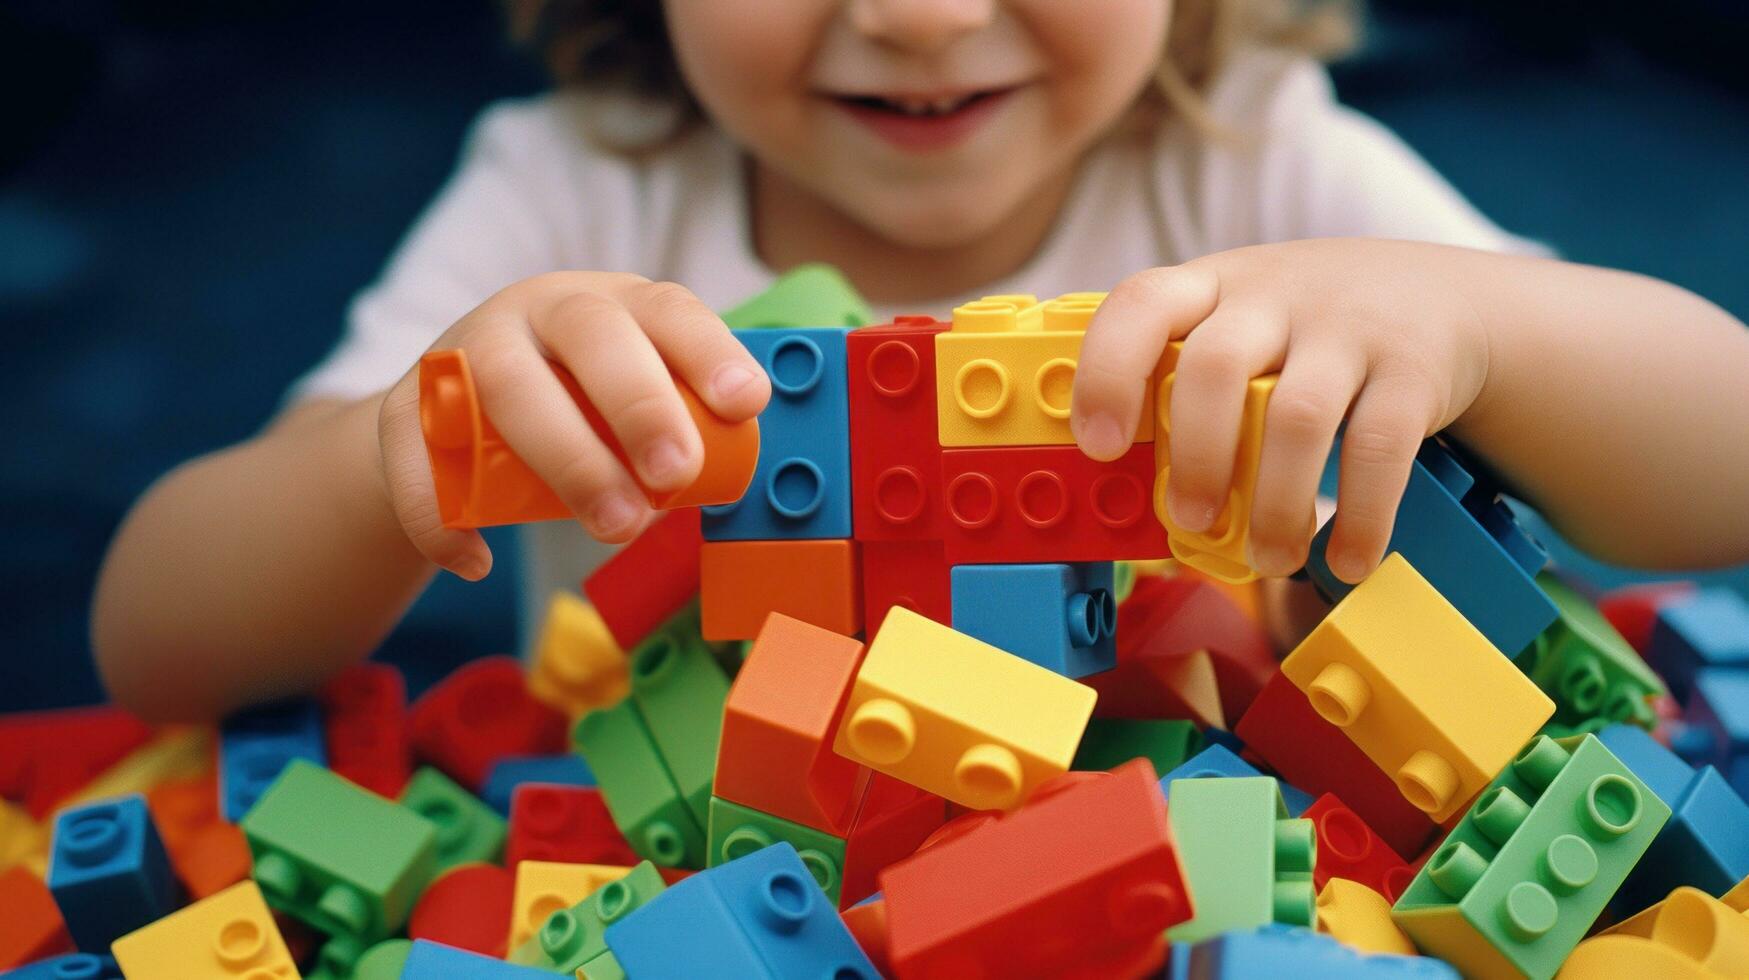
(174, 753)
(1219, 552)
(1710, 932)
(545, 887)
(578, 666)
(1417, 688)
(958, 717)
(1631, 958)
(1004, 372)
(1360, 918)
(226, 936)
(22, 839)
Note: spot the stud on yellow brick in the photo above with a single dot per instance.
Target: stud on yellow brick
(958, 717)
(545, 887)
(227, 936)
(1417, 688)
(578, 666)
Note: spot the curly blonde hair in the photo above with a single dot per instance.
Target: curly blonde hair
(623, 45)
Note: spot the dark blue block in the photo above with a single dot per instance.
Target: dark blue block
(1220, 736)
(108, 871)
(1285, 951)
(434, 961)
(801, 487)
(255, 745)
(757, 916)
(1707, 629)
(1718, 724)
(568, 769)
(1217, 761)
(72, 966)
(1463, 539)
(1062, 617)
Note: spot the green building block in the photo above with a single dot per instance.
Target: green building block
(1586, 667)
(637, 788)
(467, 829)
(813, 295)
(603, 967)
(1525, 873)
(380, 962)
(577, 935)
(1123, 580)
(737, 831)
(339, 858)
(679, 690)
(1112, 742)
(1245, 861)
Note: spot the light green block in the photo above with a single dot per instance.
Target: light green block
(467, 829)
(577, 935)
(737, 831)
(1588, 669)
(679, 690)
(604, 967)
(1110, 742)
(813, 295)
(635, 784)
(1245, 861)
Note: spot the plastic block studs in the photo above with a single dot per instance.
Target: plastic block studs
(110, 874)
(758, 916)
(221, 937)
(679, 691)
(801, 487)
(736, 831)
(255, 745)
(481, 482)
(467, 829)
(1586, 666)
(1086, 868)
(1524, 874)
(479, 714)
(573, 937)
(638, 788)
(1061, 617)
(1417, 688)
(364, 714)
(895, 459)
(578, 665)
(818, 582)
(1359, 917)
(776, 754)
(1349, 850)
(544, 887)
(1004, 372)
(918, 712)
(912, 574)
(1247, 863)
(339, 858)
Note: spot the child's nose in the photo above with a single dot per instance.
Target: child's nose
(924, 26)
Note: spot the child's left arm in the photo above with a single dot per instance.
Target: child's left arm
(1616, 403)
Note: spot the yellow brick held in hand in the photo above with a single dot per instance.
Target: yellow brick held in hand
(578, 666)
(958, 717)
(1004, 372)
(545, 887)
(229, 935)
(1360, 918)
(1417, 688)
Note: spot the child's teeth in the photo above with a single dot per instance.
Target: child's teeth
(946, 104)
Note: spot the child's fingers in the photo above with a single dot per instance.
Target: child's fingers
(532, 411)
(606, 350)
(1390, 418)
(1123, 343)
(700, 349)
(1317, 385)
(413, 495)
(1219, 359)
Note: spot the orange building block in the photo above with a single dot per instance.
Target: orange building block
(30, 921)
(776, 754)
(481, 482)
(208, 854)
(742, 582)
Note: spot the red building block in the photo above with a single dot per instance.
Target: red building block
(364, 715)
(1633, 609)
(30, 921)
(816, 581)
(775, 754)
(466, 907)
(480, 714)
(1170, 616)
(913, 574)
(1085, 869)
(1283, 731)
(895, 457)
(1347, 847)
(570, 824)
(868, 926)
(649, 580)
(47, 756)
(1008, 504)
(893, 820)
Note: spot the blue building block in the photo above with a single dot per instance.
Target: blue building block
(568, 769)
(1219, 761)
(1706, 841)
(71, 966)
(1707, 629)
(108, 871)
(1718, 724)
(801, 487)
(434, 961)
(760, 915)
(255, 745)
(1463, 539)
(1220, 736)
(1286, 951)
(1062, 617)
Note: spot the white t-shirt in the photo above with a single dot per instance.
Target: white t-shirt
(532, 195)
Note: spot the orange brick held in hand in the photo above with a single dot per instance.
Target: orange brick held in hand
(742, 582)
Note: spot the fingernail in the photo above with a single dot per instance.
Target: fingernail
(663, 461)
(614, 513)
(1347, 567)
(1195, 516)
(730, 379)
(472, 568)
(1101, 437)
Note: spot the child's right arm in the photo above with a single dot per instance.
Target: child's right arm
(259, 570)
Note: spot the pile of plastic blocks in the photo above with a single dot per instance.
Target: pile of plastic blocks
(906, 686)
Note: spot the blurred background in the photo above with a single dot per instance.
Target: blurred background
(191, 190)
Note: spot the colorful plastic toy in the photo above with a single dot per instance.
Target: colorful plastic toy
(480, 714)
(1062, 617)
(1707, 629)
(578, 665)
(1586, 666)
(895, 459)
(364, 718)
(818, 582)
(468, 831)
(1359, 917)
(573, 937)
(220, 937)
(1008, 504)
(544, 887)
(1246, 862)
(32, 928)
(109, 874)
(1110, 742)
(1277, 950)
(255, 745)
(639, 790)
(551, 822)
(565, 769)
(465, 907)
(1217, 761)
(910, 574)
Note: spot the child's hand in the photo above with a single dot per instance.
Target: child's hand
(618, 335)
(1374, 331)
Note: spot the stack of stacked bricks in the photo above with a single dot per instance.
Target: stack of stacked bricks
(906, 686)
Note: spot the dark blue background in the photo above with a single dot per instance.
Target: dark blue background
(190, 192)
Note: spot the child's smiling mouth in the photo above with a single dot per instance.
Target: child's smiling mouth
(923, 122)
